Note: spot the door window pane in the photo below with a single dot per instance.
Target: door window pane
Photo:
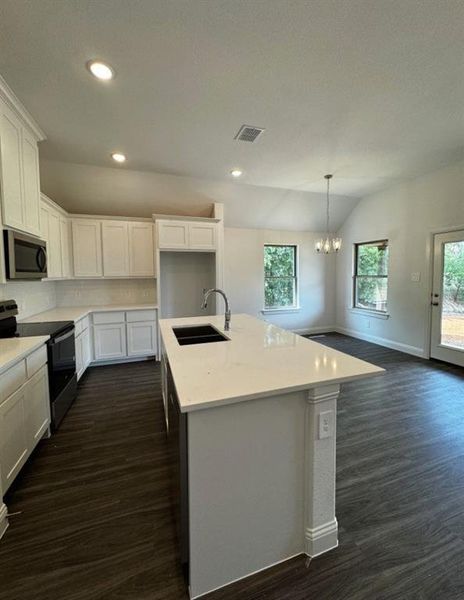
(452, 318)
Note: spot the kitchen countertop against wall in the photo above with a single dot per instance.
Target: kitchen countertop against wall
(75, 313)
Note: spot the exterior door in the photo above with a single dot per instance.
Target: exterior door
(447, 341)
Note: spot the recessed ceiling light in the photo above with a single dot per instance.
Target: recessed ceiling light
(100, 70)
(118, 157)
(236, 173)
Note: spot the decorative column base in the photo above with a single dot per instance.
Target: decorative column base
(321, 528)
(321, 539)
(3, 519)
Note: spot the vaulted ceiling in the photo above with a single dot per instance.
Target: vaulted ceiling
(372, 91)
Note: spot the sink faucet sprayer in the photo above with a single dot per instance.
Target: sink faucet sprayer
(226, 301)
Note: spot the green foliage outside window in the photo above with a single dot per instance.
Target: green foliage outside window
(279, 276)
(453, 272)
(371, 276)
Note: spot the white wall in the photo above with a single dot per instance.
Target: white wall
(32, 297)
(244, 277)
(405, 215)
(94, 292)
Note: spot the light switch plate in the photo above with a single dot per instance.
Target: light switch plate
(326, 424)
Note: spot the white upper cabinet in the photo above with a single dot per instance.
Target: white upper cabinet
(19, 165)
(141, 250)
(202, 236)
(54, 245)
(12, 181)
(87, 248)
(173, 235)
(54, 229)
(31, 180)
(115, 237)
(64, 240)
(186, 235)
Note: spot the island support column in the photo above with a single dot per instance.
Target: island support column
(321, 528)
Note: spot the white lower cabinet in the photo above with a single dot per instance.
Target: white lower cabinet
(83, 349)
(24, 418)
(110, 341)
(124, 334)
(37, 411)
(141, 339)
(13, 450)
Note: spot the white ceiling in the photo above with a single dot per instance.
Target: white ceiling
(372, 90)
(100, 190)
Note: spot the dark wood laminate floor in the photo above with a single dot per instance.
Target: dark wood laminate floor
(96, 521)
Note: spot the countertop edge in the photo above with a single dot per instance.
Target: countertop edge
(40, 340)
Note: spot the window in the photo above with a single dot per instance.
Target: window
(371, 276)
(280, 276)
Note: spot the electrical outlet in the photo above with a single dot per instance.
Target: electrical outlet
(415, 277)
(326, 424)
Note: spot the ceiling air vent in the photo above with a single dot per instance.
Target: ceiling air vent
(247, 133)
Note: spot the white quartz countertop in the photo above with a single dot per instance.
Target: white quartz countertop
(76, 313)
(14, 349)
(260, 359)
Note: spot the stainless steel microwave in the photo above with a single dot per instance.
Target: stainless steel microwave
(25, 256)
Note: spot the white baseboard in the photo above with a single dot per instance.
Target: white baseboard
(3, 519)
(120, 361)
(321, 539)
(380, 341)
(312, 330)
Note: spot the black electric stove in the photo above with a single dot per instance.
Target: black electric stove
(61, 355)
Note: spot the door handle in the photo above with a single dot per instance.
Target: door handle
(435, 304)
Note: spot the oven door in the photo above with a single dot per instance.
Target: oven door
(61, 361)
(26, 257)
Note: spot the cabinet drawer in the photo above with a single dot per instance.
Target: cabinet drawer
(109, 317)
(12, 379)
(82, 325)
(35, 360)
(135, 316)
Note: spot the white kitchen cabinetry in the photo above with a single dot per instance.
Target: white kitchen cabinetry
(87, 248)
(124, 334)
(141, 249)
(83, 349)
(115, 238)
(54, 227)
(13, 450)
(20, 191)
(186, 235)
(24, 412)
(110, 341)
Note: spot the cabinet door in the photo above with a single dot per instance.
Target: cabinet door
(64, 244)
(44, 225)
(13, 437)
(202, 236)
(110, 341)
(141, 339)
(141, 250)
(115, 248)
(86, 245)
(173, 234)
(86, 354)
(37, 407)
(31, 190)
(79, 357)
(54, 245)
(12, 182)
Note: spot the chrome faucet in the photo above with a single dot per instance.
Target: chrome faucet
(226, 301)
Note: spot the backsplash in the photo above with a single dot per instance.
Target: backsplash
(32, 296)
(94, 292)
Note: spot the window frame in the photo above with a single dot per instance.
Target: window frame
(296, 304)
(354, 305)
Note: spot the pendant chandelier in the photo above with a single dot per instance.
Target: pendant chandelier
(328, 244)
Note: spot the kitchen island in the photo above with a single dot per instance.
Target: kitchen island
(252, 423)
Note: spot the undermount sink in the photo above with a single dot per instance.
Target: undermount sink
(198, 334)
